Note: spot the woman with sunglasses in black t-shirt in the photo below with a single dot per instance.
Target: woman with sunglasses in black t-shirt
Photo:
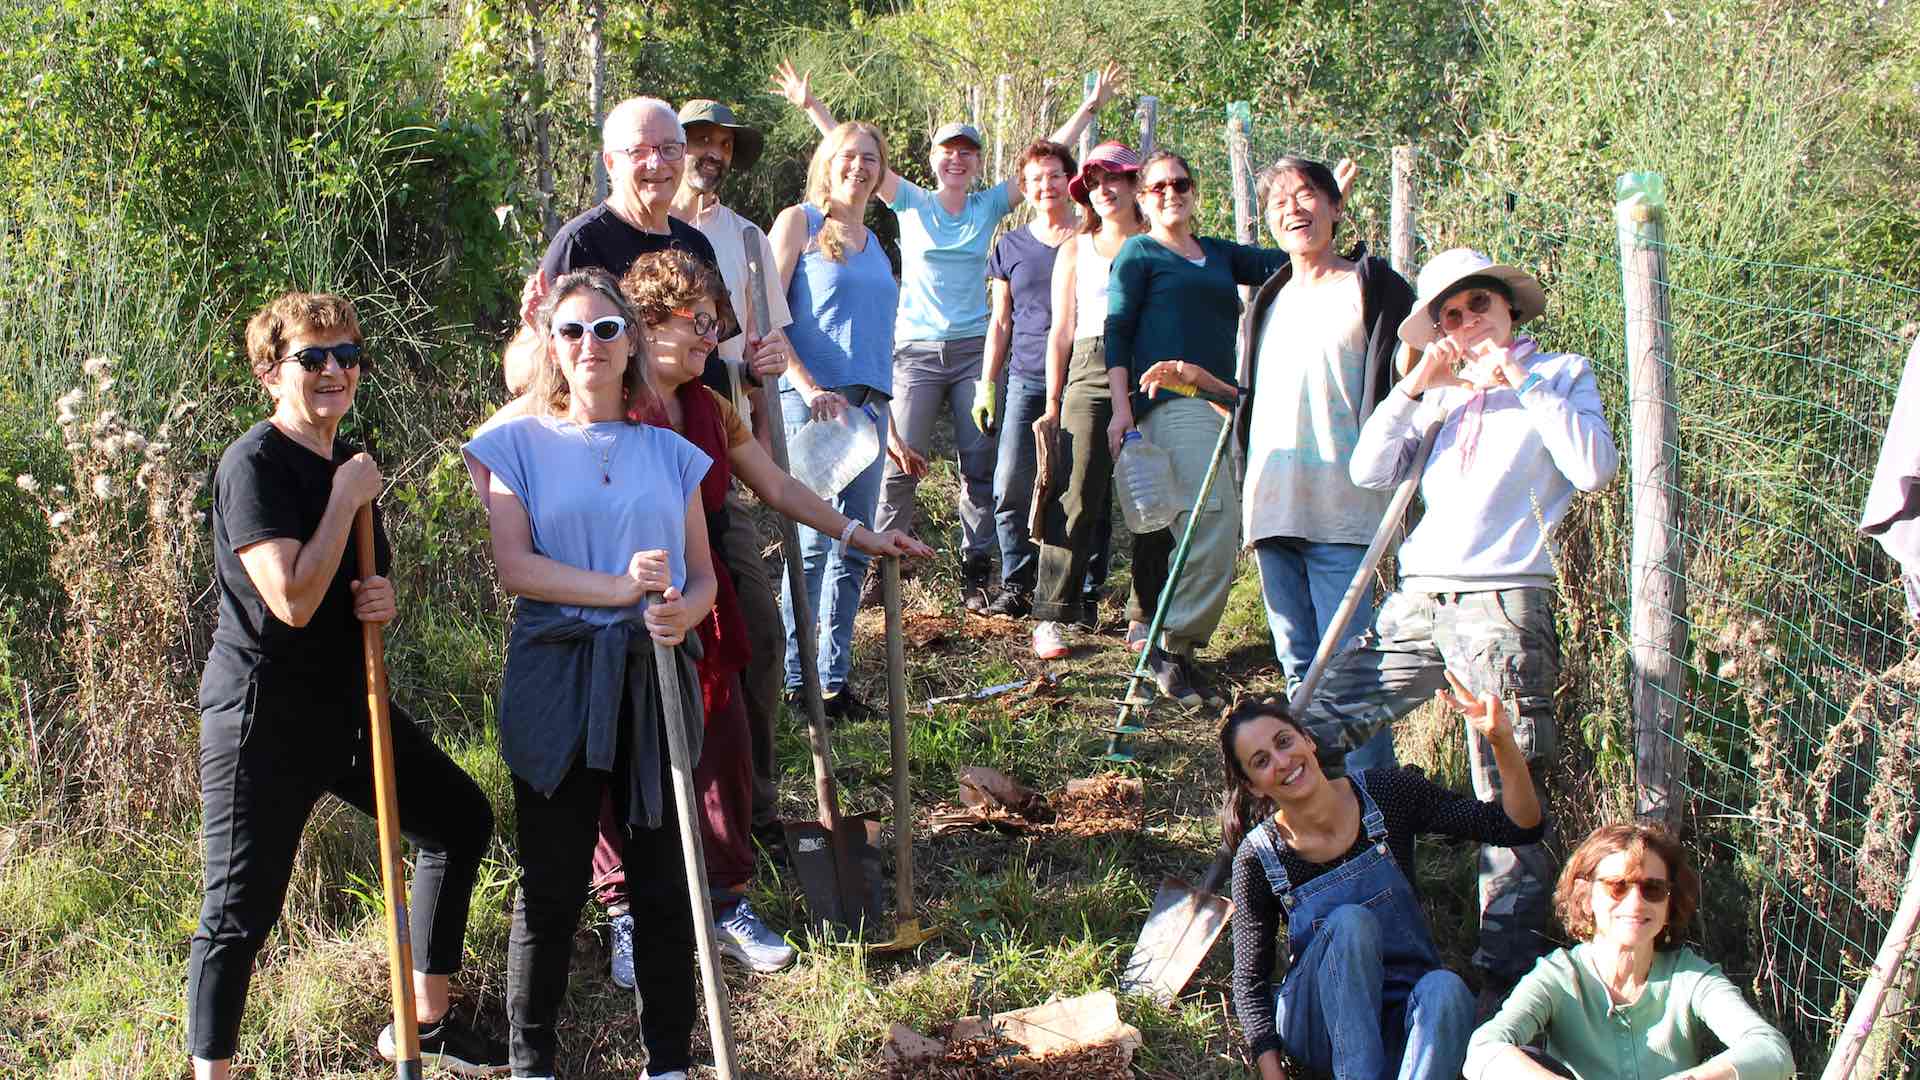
(283, 702)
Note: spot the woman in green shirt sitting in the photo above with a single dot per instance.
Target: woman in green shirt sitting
(1629, 999)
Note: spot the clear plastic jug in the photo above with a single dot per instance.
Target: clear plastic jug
(1144, 476)
(826, 455)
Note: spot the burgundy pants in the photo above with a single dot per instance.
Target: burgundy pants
(723, 782)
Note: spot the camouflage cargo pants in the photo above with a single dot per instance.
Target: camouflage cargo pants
(1501, 640)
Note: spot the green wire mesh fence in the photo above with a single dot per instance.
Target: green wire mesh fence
(1801, 706)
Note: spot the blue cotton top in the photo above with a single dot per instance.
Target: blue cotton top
(943, 262)
(1025, 263)
(843, 314)
(553, 467)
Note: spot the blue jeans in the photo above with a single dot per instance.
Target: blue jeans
(830, 572)
(1329, 1012)
(1302, 582)
(1013, 475)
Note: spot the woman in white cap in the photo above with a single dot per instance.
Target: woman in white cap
(1521, 430)
(940, 333)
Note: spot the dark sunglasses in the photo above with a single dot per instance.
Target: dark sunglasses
(605, 328)
(314, 357)
(704, 323)
(1655, 890)
(1478, 302)
(1179, 184)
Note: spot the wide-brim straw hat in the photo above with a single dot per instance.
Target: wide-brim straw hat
(748, 142)
(1453, 266)
(1115, 157)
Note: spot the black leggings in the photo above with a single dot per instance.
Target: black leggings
(555, 836)
(263, 767)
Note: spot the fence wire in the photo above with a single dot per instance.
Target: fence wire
(1801, 705)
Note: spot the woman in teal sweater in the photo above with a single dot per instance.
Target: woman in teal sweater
(1172, 301)
(1629, 1000)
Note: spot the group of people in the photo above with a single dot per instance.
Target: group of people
(607, 481)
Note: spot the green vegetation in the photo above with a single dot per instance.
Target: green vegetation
(165, 165)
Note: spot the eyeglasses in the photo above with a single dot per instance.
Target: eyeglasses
(1180, 185)
(605, 328)
(1653, 890)
(1478, 302)
(666, 151)
(314, 357)
(704, 322)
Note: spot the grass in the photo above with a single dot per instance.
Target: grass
(94, 927)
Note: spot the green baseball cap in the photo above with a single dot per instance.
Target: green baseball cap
(747, 142)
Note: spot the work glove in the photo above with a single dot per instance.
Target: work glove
(986, 406)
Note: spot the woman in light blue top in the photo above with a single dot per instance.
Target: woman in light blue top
(940, 333)
(841, 292)
(592, 513)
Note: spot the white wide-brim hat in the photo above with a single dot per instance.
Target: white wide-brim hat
(1453, 266)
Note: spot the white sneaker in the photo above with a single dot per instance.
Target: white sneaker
(744, 938)
(621, 929)
(1048, 644)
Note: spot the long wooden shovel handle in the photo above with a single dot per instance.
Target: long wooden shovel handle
(386, 803)
(1384, 537)
(897, 721)
(693, 857)
(819, 737)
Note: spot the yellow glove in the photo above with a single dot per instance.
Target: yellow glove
(986, 406)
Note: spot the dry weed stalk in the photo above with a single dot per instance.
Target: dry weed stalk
(125, 548)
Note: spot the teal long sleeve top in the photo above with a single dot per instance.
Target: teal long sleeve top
(1160, 306)
(1686, 1000)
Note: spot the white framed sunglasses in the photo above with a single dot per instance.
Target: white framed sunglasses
(605, 328)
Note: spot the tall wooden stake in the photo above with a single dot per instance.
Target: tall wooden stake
(1850, 1060)
(1239, 158)
(1002, 90)
(597, 85)
(1658, 565)
(1148, 113)
(1402, 221)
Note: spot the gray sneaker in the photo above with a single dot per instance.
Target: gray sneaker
(744, 938)
(1170, 676)
(621, 927)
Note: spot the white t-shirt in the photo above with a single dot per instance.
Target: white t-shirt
(1307, 402)
(721, 226)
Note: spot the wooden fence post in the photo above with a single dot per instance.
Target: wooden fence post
(1658, 565)
(1089, 138)
(1148, 113)
(1239, 157)
(1402, 220)
(1001, 92)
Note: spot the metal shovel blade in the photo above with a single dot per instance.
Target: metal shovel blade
(811, 846)
(1180, 932)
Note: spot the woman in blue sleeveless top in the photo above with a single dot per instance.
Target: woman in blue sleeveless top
(1365, 995)
(841, 291)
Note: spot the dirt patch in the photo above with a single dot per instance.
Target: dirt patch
(1099, 805)
(993, 1059)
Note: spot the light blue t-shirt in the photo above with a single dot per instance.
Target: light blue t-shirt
(943, 263)
(555, 468)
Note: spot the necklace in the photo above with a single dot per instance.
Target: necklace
(603, 452)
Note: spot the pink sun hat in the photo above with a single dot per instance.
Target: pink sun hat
(1115, 157)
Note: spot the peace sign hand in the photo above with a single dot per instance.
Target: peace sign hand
(1485, 713)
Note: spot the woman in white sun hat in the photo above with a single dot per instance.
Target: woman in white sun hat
(1521, 430)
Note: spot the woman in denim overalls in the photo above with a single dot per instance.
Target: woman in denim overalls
(1365, 996)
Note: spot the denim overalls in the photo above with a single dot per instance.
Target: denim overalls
(1362, 958)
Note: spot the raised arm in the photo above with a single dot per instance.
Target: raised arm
(797, 88)
(1566, 411)
(1383, 452)
(1106, 83)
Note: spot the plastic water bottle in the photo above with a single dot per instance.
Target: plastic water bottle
(1145, 475)
(827, 454)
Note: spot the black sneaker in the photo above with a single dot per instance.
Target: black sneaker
(1013, 602)
(452, 1045)
(845, 706)
(974, 573)
(1170, 676)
